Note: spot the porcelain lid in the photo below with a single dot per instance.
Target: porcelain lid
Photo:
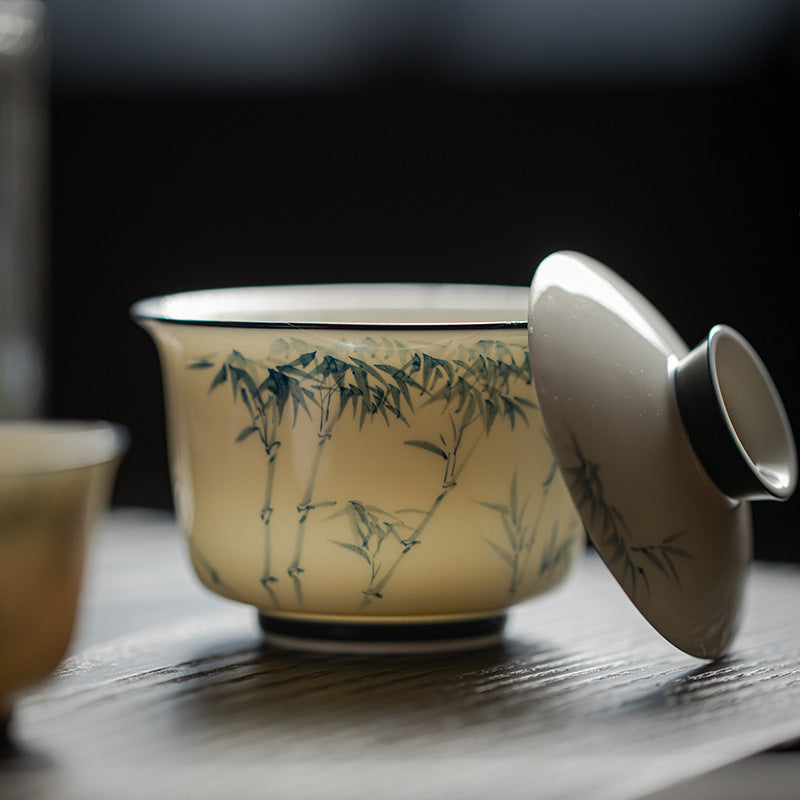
(661, 448)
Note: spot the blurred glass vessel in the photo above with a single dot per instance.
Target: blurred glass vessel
(23, 126)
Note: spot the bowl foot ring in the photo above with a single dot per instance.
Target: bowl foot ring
(382, 637)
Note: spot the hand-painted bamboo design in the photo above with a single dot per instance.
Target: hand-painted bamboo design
(590, 495)
(473, 386)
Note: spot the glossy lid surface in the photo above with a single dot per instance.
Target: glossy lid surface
(604, 362)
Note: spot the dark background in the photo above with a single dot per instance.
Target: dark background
(203, 145)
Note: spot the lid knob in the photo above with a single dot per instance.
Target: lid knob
(735, 419)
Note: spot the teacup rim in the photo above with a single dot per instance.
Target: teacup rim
(117, 441)
(157, 308)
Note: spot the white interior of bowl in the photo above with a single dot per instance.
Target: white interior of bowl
(346, 304)
(27, 448)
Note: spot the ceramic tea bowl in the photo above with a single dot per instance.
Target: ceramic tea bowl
(55, 479)
(362, 463)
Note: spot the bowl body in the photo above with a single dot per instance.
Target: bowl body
(358, 453)
(55, 478)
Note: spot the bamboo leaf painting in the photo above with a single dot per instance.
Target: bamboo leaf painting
(360, 551)
(506, 557)
(384, 381)
(522, 521)
(429, 446)
(219, 378)
(248, 431)
(633, 560)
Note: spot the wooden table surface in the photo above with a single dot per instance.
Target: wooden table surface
(170, 692)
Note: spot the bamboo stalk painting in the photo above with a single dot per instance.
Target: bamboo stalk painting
(470, 391)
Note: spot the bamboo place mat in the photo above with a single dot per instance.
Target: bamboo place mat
(170, 692)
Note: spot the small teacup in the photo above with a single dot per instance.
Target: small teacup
(363, 463)
(55, 479)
